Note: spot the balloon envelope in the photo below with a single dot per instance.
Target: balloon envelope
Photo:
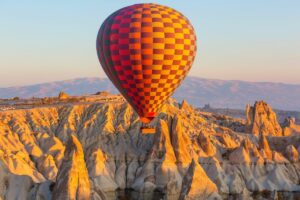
(146, 50)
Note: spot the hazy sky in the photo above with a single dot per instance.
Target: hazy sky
(257, 40)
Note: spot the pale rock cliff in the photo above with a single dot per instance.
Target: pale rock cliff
(265, 149)
(261, 119)
(72, 180)
(13, 186)
(292, 153)
(100, 173)
(290, 127)
(181, 143)
(196, 184)
(160, 170)
(43, 149)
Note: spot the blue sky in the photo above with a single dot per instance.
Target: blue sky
(255, 40)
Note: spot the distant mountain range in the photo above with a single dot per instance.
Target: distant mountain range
(197, 91)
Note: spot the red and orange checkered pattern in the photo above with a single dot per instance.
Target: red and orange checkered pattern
(146, 50)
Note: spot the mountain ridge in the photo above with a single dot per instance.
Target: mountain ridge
(199, 91)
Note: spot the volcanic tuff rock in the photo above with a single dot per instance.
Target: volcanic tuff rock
(13, 186)
(87, 149)
(196, 184)
(100, 172)
(63, 96)
(72, 180)
(261, 119)
(264, 147)
(290, 126)
(292, 153)
(166, 175)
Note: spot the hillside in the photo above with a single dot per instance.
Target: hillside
(90, 147)
(199, 91)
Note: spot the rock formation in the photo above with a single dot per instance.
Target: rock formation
(196, 184)
(207, 146)
(72, 181)
(13, 186)
(91, 149)
(290, 127)
(181, 143)
(62, 96)
(265, 148)
(261, 119)
(292, 153)
(185, 106)
(166, 175)
(100, 173)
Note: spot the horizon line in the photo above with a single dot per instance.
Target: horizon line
(190, 76)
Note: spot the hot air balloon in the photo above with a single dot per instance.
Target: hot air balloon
(146, 50)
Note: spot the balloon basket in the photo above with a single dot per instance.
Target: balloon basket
(148, 130)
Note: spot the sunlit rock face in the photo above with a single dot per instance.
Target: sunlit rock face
(196, 184)
(86, 150)
(261, 119)
(72, 181)
(290, 127)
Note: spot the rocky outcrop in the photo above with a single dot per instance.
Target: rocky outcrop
(38, 148)
(185, 106)
(265, 150)
(101, 175)
(181, 143)
(13, 186)
(167, 173)
(72, 181)
(197, 185)
(207, 146)
(63, 96)
(47, 167)
(261, 119)
(229, 141)
(240, 156)
(165, 176)
(292, 153)
(247, 153)
(290, 127)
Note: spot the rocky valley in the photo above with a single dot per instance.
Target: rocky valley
(91, 147)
